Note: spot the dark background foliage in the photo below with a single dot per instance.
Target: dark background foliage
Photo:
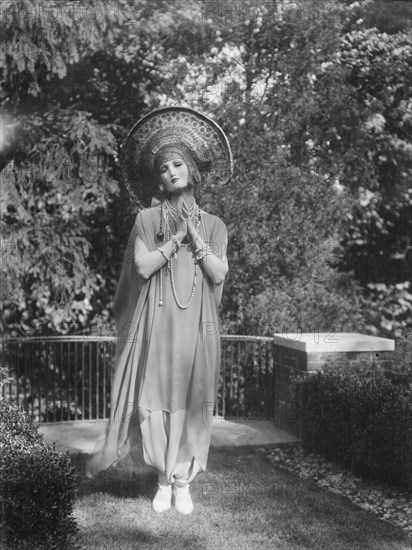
(315, 99)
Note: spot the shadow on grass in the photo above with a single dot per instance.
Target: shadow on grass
(114, 481)
(135, 537)
(243, 497)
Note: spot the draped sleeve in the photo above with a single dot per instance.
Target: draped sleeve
(130, 286)
(218, 242)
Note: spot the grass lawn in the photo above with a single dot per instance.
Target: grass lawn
(243, 502)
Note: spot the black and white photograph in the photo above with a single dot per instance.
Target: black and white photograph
(206, 274)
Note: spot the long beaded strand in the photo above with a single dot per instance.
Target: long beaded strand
(166, 236)
(172, 281)
(172, 278)
(161, 237)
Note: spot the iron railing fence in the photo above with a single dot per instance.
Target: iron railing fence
(69, 378)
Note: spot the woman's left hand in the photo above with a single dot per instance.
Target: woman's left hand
(215, 267)
(191, 229)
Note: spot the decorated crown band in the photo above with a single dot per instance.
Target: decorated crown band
(173, 126)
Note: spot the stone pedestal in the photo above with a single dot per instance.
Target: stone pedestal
(308, 352)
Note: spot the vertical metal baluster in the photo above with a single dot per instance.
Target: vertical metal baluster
(11, 370)
(6, 350)
(10, 348)
(16, 368)
(224, 382)
(66, 376)
(271, 370)
(268, 404)
(108, 370)
(104, 378)
(13, 352)
(251, 370)
(273, 355)
(50, 370)
(220, 407)
(32, 368)
(18, 374)
(255, 366)
(39, 359)
(97, 378)
(28, 378)
(220, 384)
(75, 377)
(67, 364)
(246, 375)
(238, 359)
(110, 380)
(252, 374)
(243, 374)
(103, 363)
(4, 362)
(26, 408)
(259, 345)
(61, 392)
(83, 388)
(53, 347)
(232, 345)
(90, 379)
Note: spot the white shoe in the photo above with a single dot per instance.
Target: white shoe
(183, 500)
(162, 500)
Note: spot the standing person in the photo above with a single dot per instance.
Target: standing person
(166, 303)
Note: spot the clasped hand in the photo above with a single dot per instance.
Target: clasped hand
(184, 225)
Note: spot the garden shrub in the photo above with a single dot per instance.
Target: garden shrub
(400, 366)
(353, 414)
(37, 487)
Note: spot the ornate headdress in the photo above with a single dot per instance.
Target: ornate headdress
(196, 137)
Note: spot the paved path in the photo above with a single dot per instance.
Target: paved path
(81, 436)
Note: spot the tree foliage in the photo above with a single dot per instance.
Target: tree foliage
(316, 104)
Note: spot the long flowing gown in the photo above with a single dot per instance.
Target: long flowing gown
(167, 360)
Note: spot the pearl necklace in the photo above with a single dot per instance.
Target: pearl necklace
(173, 211)
(167, 235)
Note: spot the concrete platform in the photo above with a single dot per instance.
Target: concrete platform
(81, 436)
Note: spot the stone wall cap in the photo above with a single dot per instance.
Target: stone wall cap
(331, 342)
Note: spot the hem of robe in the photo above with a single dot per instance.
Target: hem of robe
(168, 441)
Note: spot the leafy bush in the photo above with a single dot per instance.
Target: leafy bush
(401, 361)
(354, 415)
(37, 487)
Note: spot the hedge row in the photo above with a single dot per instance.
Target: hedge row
(354, 415)
(37, 487)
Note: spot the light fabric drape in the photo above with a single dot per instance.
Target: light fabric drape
(167, 361)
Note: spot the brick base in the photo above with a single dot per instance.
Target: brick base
(308, 353)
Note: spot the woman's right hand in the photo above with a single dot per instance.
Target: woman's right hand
(181, 225)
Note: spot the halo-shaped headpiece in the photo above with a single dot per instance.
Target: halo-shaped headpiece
(173, 126)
